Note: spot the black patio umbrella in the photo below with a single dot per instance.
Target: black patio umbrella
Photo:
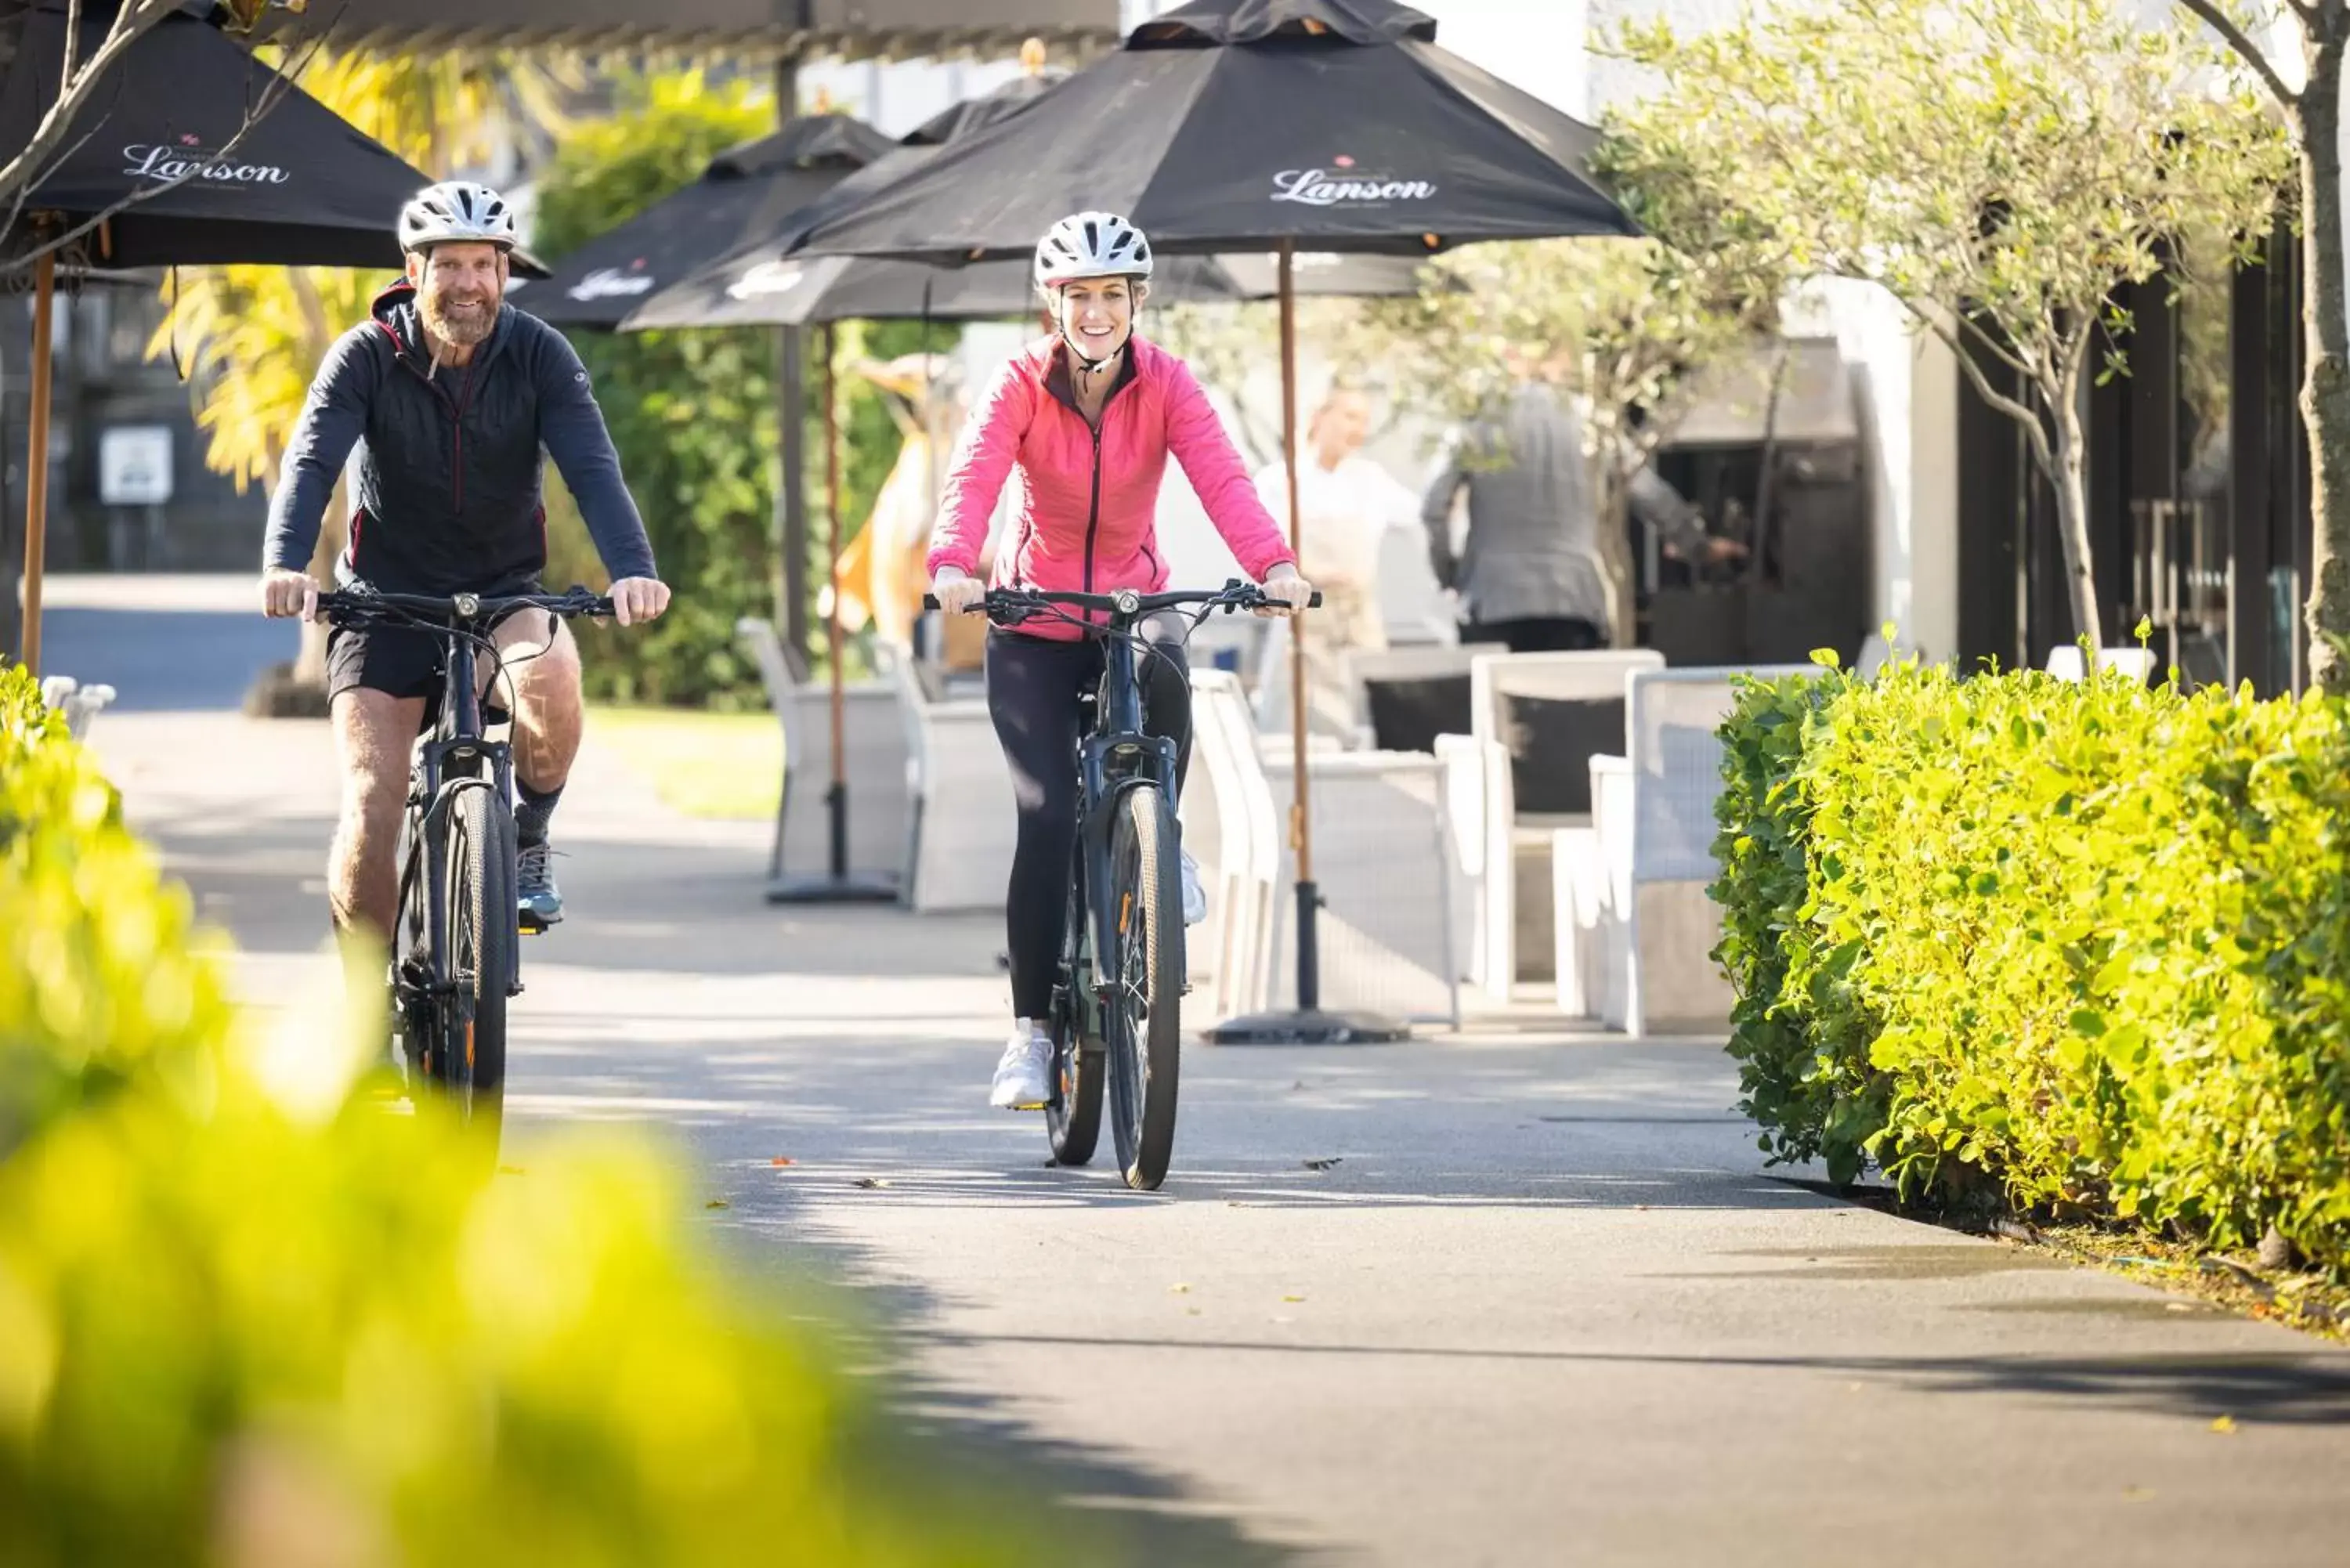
(1235, 124)
(763, 289)
(1327, 125)
(745, 194)
(220, 159)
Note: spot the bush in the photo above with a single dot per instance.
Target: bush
(247, 1316)
(2080, 948)
(102, 977)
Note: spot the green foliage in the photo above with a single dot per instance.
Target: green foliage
(692, 414)
(1803, 1057)
(98, 980)
(248, 1316)
(2078, 947)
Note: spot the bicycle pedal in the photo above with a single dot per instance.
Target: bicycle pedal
(532, 926)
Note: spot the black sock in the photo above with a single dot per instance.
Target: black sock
(532, 811)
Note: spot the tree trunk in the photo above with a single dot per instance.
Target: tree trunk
(2326, 323)
(1614, 494)
(10, 628)
(2072, 515)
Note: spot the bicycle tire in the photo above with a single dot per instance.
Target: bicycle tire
(1143, 1025)
(482, 932)
(1073, 1115)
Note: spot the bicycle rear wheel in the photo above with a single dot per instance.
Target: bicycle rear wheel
(478, 868)
(1143, 966)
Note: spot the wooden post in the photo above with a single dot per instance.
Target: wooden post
(36, 466)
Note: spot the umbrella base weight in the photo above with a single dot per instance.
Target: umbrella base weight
(1309, 1026)
(871, 889)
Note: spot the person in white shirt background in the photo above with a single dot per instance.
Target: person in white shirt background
(1350, 502)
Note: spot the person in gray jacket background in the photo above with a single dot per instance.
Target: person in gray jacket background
(1529, 573)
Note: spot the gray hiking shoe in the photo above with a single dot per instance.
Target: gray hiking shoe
(541, 903)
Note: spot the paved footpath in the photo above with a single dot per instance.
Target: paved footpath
(1548, 1307)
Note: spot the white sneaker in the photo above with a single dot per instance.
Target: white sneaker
(1195, 896)
(1024, 1078)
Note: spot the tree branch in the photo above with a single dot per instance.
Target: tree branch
(2021, 412)
(2220, 22)
(131, 24)
(272, 93)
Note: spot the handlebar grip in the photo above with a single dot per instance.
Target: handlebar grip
(1314, 600)
(930, 601)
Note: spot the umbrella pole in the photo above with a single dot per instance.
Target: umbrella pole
(839, 797)
(837, 887)
(1307, 1024)
(37, 465)
(1301, 818)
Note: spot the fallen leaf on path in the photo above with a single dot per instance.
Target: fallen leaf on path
(2137, 1494)
(718, 1203)
(1323, 1164)
(1292, 1298)
(1179, 1289)
(869, 1181)
(2224, 1424)
(779, 1159)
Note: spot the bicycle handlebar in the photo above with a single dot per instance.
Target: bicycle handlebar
(1002, 605)
(461, 607)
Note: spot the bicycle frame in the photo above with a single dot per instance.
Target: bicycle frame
(1114, 758)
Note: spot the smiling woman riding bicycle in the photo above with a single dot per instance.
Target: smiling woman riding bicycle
(1089, 416)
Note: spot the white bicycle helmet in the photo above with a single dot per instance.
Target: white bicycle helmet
(1091, 245)
(458, 210)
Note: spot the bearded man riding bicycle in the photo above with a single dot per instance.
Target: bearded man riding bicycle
(451, 394)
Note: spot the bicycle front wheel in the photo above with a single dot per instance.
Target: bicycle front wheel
(481, 933)
(1143, 969)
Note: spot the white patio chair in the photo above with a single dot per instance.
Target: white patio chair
(875, 732)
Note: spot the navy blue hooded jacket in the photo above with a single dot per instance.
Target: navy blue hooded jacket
(448, 494)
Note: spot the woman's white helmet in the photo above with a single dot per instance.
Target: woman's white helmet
(456, 210)
(1086, 246)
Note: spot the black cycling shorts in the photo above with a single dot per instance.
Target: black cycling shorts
(399, 661)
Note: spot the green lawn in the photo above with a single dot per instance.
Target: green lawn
(705, 764)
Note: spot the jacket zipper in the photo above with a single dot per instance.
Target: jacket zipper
(457, 463)
(1093, 514)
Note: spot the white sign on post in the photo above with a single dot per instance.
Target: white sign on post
(134, 465)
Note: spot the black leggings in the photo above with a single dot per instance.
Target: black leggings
(1034, 687)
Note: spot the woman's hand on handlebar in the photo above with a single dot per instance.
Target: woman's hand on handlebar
(636, 599)
(1289, 592)
(957, 591)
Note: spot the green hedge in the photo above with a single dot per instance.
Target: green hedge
(101, 977)
(247, 1315)
(2084, 949)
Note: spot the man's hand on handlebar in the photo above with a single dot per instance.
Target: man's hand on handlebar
(636, 599)
(957, 591)
(288, 593)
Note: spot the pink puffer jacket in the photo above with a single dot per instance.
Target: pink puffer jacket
(1087, 518)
